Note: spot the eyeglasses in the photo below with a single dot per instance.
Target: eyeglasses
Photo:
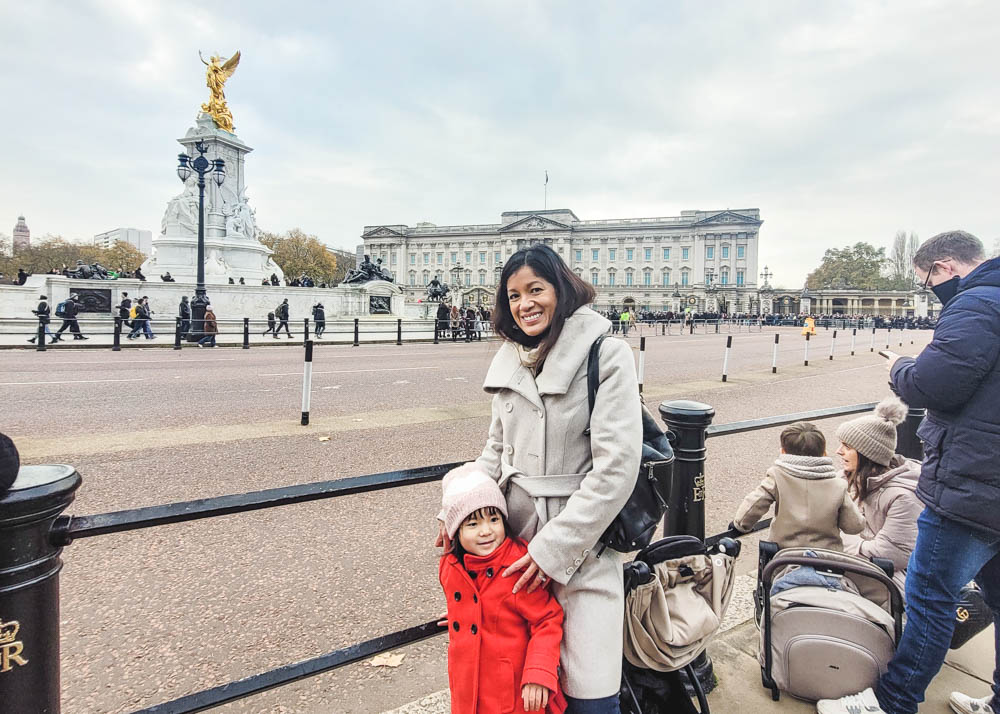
(930, 272)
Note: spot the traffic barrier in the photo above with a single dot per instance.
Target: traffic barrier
(725, 360)
(833, 344)
(873, 341)
(307, 374)
(774, 355)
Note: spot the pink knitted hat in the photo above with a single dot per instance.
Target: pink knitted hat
(467, 489)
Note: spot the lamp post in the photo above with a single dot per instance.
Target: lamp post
(456, 282)
(202, 166)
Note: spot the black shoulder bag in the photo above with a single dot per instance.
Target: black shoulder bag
(633, 528)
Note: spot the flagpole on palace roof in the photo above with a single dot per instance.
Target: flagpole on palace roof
(545, 203)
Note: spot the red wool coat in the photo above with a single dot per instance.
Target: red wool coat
(498, 641)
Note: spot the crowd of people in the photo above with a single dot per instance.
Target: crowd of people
(469, 323)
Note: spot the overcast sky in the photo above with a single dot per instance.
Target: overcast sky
(842, 121)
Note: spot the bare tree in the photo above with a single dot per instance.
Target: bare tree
(899, 259)
(996, 248)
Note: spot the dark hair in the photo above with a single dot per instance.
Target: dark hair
(958, 245)
(803, 439)
(857, 480)
(456, 548)
(571, 294)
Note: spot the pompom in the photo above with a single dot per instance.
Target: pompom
(892, 410)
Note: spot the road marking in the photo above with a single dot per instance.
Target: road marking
(147, 361)
(70, 381)
(346, 371)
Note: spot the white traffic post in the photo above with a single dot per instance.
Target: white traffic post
(854, 338)
(774, 355)
(888, 337)
(642, 361)
(725, 360)
(307, 378)
(806, 362)
(833, 344)
(873, 341)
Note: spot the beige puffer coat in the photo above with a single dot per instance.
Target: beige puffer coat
(564, 488)
(890, 510)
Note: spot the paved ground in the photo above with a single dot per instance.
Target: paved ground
(152, 615)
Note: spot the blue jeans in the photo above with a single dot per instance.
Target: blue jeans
(207, 340)
(604, 705)
(948, 555)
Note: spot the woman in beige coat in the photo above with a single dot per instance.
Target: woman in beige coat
(563, 486)
(884, 485)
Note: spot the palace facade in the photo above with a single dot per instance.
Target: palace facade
(699, 260)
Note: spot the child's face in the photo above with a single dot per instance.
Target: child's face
(482, 532)
(849, 456)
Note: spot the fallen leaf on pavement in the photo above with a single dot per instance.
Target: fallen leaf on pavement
(387, 659)
(324, 438)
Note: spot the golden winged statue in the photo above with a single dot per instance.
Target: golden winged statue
(218, 70)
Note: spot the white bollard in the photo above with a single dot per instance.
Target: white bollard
(725, 360)
(307, 378)
(854, 338)
(873, 341)
(806, 362)
(642, 361)
(774, 355)
(888, 337)
(833, 344)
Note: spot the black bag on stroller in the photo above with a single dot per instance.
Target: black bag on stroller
(676, 593)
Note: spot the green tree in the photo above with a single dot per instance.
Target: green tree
(55, 253)
(296, 253)
(858, 266)
(122, 257)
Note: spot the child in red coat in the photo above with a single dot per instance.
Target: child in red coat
(503, 647)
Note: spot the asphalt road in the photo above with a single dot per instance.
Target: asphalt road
(151, 615)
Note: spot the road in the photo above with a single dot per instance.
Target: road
(151, 615)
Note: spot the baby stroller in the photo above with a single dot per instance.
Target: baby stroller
(831, 628)
(676, 594)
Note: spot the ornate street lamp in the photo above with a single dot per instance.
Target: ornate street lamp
(202, 166)
(498, 271)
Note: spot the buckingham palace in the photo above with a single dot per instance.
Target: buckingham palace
(703, 261)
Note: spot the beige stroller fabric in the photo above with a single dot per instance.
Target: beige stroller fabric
(669, 620)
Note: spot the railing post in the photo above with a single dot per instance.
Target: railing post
(691, 330)
(116, 338)
(437, 323)
(355, 332)
(40, 339)
(246, 333)
(29, 595)
(177, 333)
(688, 420)
(399, 330)
(908, 443)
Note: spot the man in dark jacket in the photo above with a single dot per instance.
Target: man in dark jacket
(184, 312)
(282, 314)
(957, 379)
(319, 320)
(42, 312)
(70, 311)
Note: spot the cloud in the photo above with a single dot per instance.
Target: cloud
(841, 121)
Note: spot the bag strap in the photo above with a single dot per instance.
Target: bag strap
(593, 378)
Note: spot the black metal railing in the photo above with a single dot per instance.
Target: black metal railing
(31, 519)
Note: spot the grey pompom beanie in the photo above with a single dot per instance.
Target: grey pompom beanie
(874, 435)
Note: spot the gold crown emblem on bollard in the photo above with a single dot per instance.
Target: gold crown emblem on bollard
(8, 631)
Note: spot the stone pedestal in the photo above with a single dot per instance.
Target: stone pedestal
(372, 299)
(231, 246)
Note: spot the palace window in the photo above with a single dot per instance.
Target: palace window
(482, 257)
(392, 258)
(611, 255)
(725, 251)
(440, 258)
(724, 277)
(629, 254)
(740, 277)
(647, 277)
(666, 278)
(468, 278)
(666, 253)
(413, 258)
(685, 253)
(594, 275)
(611, 278)
(468, 257)
(496, 257)
(628, 278)
(427, 277)
(685, 277)
(427, 258)
(649, 253)
(741, 251)
(709, 252)
(708, 278)
(454, 257)
(482, 277)
(595, 254)
(579, 255)
(413, 278)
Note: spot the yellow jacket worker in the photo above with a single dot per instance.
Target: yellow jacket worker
(810, 327)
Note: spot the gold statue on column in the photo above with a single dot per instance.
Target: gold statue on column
(217, 72)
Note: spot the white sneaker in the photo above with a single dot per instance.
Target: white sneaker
(964, 704)
(863, 703)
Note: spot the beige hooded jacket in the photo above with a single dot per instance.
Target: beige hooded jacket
(811, 504)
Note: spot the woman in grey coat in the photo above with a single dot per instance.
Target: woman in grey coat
(564, 486)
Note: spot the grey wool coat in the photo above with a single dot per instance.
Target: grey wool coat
(564, 488)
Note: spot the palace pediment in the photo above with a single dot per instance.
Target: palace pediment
(534, 223)
(382, 232)
(727, 217)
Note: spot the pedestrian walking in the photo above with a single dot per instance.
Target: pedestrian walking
(184, 312)
(626, 321)
(319, 320)
(282, 314)
(147, 318)
(564, 484)
(68, 311)
(957, 379)
(210, 328)
(124, 308)
(135, 321)
(42, 313)
(455, 320)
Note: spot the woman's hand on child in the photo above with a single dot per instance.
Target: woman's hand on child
(442, 540)
(532, 574)
(535, 696)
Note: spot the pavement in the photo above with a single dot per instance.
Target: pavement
(151, 615)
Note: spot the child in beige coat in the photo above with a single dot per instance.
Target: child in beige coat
(811, 502)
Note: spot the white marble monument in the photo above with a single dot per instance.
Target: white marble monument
(231, 246)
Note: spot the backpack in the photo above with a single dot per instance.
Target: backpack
(61, 309)
(634, 526)
(132, 311)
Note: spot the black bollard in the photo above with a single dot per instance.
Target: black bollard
(246, 333)
(40, 338)
(305, 329)
(908, 443)
(688, 421)
(691, 330)
(177, 333)
(29, 587)
(399, 330)
(436, 322)
(355, 332)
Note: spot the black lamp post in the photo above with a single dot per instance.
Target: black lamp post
(203, 166)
